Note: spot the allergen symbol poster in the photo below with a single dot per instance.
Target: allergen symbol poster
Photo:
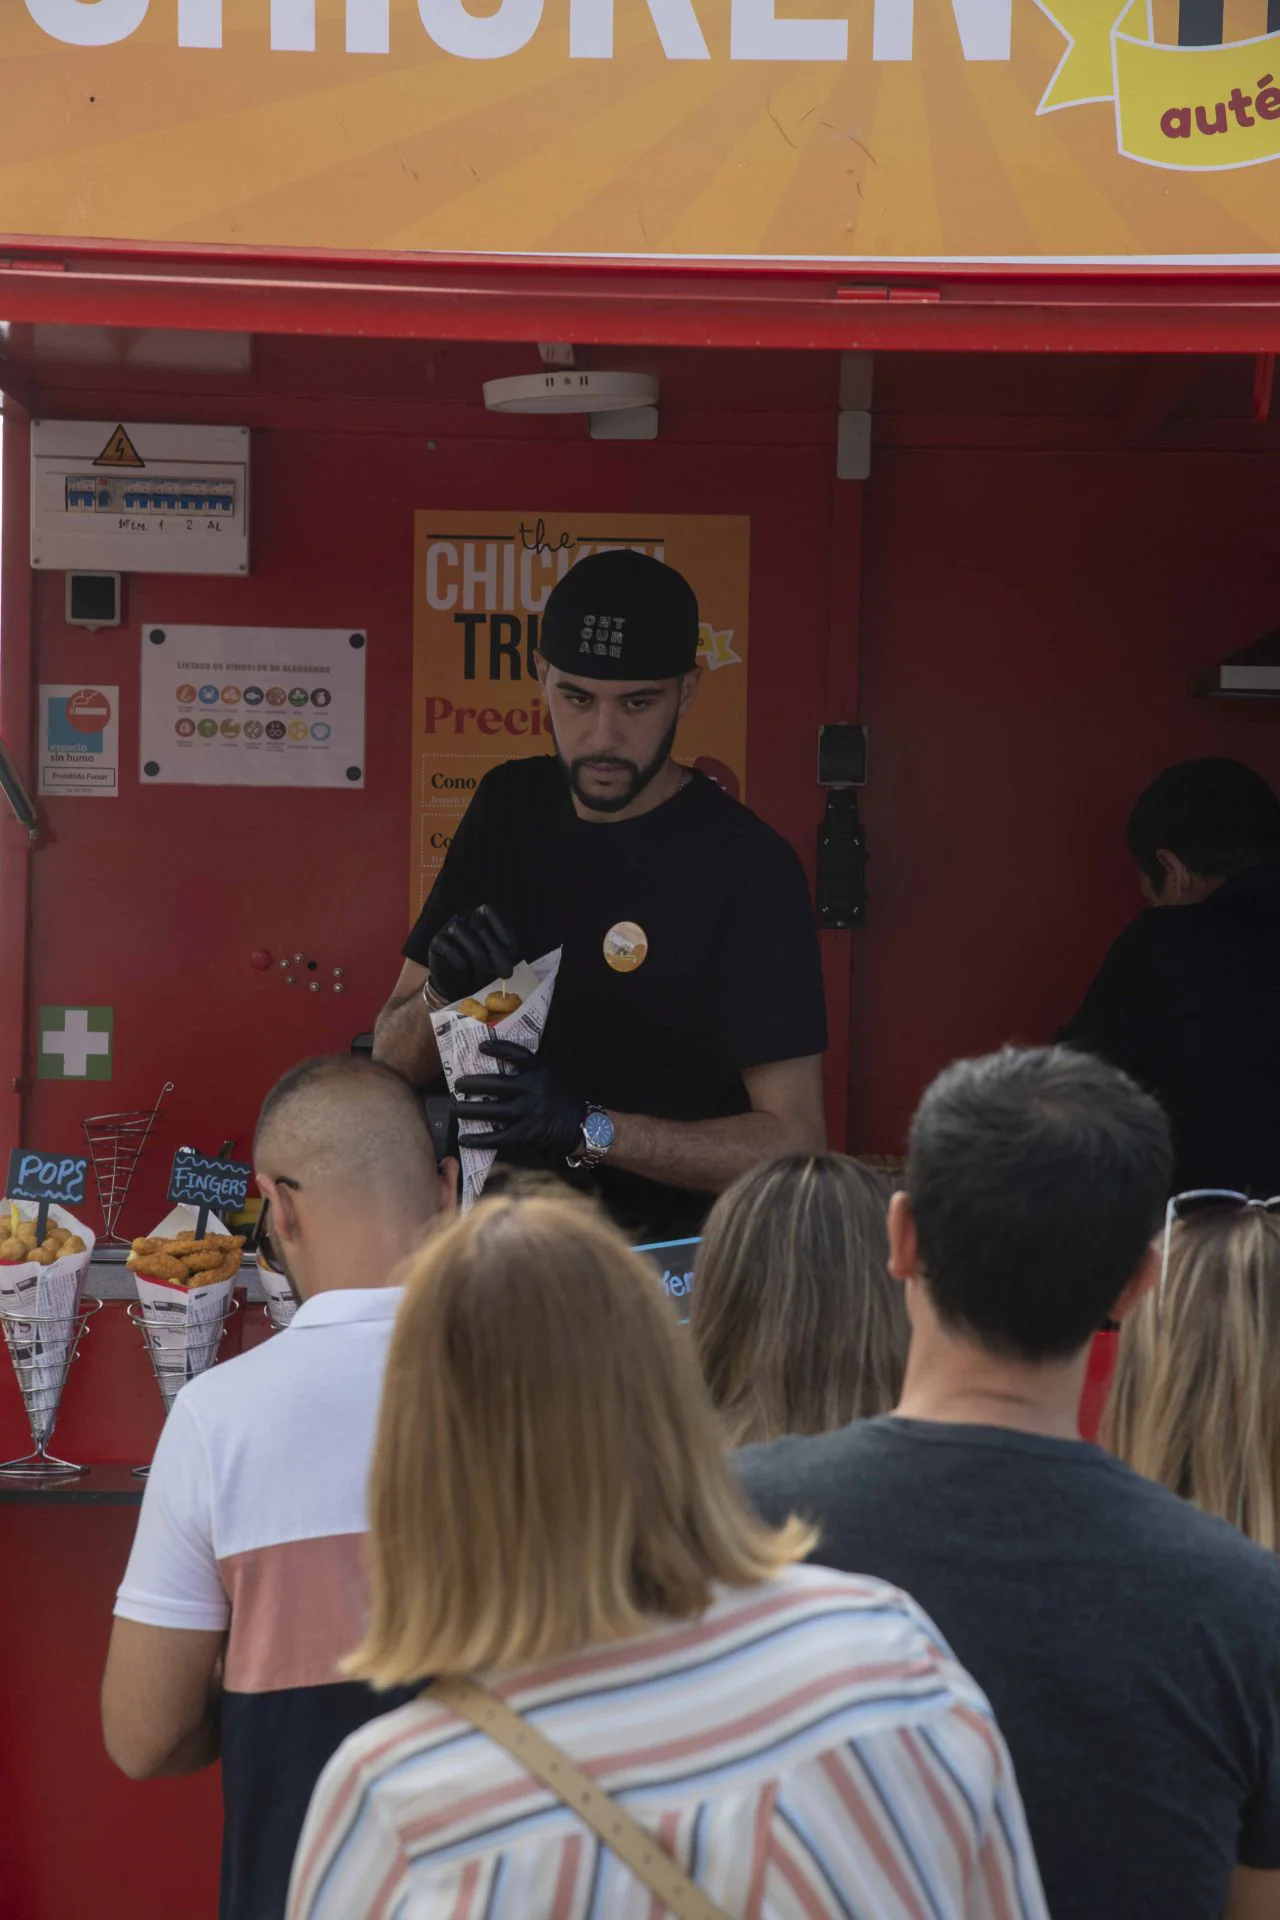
(252, 706)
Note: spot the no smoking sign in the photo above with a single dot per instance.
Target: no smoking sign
(88, 710)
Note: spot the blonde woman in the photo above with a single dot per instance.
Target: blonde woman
(552, 1514)
(797, 1324)
(1195, 1400)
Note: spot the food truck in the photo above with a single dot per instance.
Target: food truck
(935, 344)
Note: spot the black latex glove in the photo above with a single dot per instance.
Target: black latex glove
(469, 951)
(528, 1106)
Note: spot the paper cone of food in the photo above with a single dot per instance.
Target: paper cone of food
(185, 1282)
(282, 1302)
(42, 1279)
(514, 1009)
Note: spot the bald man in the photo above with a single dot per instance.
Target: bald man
(245, 1586)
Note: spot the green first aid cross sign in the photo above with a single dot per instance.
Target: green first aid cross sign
(75, 1043)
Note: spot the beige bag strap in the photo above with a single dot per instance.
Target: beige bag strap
(647, 1858)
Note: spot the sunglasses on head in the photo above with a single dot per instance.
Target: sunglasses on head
(1199, 1201)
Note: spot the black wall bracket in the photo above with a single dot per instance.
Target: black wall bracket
(842, 838)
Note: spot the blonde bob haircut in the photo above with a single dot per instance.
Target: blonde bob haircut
(1195, 1399)
(796, 1321)
(548, 1473)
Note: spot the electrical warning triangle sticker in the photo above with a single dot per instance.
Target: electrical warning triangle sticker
(119, 452)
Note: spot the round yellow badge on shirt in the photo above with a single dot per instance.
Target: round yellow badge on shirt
(626, 946)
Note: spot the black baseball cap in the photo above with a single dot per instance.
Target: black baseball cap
(621, 615)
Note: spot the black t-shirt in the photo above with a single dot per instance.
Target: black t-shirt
(1188, 1002)
(732, 977)
(1129, 1644)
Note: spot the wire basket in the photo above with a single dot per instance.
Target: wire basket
(115, 1142)
(42, 1347)
(179, 1346)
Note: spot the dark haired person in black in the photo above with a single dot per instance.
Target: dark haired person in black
(1188, 998)
(1128, 1643)
(686, 1034)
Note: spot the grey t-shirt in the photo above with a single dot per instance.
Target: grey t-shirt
(1129, 1644)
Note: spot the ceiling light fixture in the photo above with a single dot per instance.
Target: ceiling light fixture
(571, 390)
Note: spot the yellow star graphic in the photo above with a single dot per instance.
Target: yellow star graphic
(716, 649)
(1083, 75)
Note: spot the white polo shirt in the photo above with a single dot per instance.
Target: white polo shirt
(253, 1521)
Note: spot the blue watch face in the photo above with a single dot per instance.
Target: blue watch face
(597, 1131)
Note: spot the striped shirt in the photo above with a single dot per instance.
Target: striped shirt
(807, 1749)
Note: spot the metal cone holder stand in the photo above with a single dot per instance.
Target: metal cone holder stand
(179, 1347)
(115, 1142)
(42, 1347)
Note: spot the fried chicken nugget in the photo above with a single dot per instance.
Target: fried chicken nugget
(199, 1262)
(145, 1246)
(13, 1249)
(474, 1010)
(74, 1244)
(42, 1256)
(159, 1266)
(501, 1005)
(211, 1276)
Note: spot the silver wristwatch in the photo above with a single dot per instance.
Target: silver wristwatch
(597, 1138)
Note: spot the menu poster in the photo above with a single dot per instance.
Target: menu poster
(252, 707)
(481, 582)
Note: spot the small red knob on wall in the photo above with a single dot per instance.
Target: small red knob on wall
(260, 958)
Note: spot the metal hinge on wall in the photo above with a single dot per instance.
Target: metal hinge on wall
(842, 838)
(853, 423)
(893, 296)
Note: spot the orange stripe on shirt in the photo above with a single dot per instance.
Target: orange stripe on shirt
(618, 1660)
(566, 1890)
(777, 1709)
(760, 1852)
(668, 1834)
(798, 1881)
(941, 1804)
(854, 1803)
(297, 1609)
(389, 1886)
(355, 1783)
(467, 1889)
(995, 1880)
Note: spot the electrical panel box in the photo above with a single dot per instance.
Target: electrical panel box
(139, 499)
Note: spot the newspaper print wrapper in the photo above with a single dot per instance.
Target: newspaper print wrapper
(460, 1039)
(185, 1323)
(52, 1293)
(282, 1302)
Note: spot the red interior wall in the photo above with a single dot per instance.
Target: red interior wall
(152, 903)
(1032, 620)
(1035, 597)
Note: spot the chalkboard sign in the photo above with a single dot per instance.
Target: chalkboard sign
(204, 1183)
(34, 1175)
